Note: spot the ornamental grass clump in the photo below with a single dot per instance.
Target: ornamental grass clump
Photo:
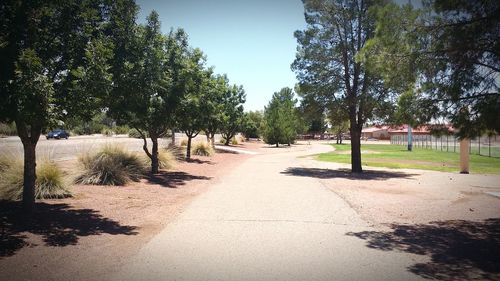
(166, 159)
(111, 165)
(202, 149)
(50, 182)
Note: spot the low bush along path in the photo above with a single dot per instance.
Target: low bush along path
(266, 221)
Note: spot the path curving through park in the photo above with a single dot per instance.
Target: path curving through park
(261, 222)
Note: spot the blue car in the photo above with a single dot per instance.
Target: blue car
(58, 134)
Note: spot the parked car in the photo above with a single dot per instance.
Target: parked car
(58, 134)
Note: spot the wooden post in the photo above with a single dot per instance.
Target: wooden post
(464, 156)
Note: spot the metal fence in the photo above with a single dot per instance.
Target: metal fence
(484, 145)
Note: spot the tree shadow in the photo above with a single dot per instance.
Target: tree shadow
(344, 173)
(198, 161)
(221, 150)
(57, 224)
(174, 179)
(458, 249)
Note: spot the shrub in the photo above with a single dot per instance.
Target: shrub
(112, 165)
(107, 132)
(234, 141)
(50, 180)
(120, 130)
(133, 133)
(184, 142)
(202, 149)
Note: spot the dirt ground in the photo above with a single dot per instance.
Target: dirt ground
(93, 232)
(408, 196)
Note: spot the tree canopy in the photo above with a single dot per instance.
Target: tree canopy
(327, 68)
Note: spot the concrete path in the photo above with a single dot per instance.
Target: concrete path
(261, 224)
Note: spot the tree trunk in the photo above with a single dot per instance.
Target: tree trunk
(29, 176)
(29, 138)
(188, 149)
(277, 144)
(228, 139)
(208, 137)
(212, 139)
(356, 150)
(173, 138)
(154, 156)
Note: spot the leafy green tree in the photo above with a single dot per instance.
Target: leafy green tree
(446, 54)
(53, 58)
(191, 113)
(232, 112)
(326, 62)
(339, 121)
(151, 83)
(251, 126)
(279, 123)
(218, 86)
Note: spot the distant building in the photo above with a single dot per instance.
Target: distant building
(376, 132)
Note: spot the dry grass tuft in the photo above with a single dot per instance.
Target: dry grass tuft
(111, 165)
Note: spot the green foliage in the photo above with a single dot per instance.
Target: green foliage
(111, 165)
(232, 113)
(251, 124)
(150, 70)
(107, 132)
(279, 118)
(50, 182)
(326, 64)
(443, 53)
(121, 130)
(202, 149)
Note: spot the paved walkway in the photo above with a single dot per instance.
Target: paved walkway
(261, 224)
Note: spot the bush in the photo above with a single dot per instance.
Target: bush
(234, 141)
(112, 165)
(121, 130)
(50, 180)
(202, 149)
(133, 133)
(107, 132)
(8, 129)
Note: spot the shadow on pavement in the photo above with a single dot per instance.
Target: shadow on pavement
(344, 173)
(458, 249)
(57, 224)
(174, 179)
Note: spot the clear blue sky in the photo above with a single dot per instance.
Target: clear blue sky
(249, 40)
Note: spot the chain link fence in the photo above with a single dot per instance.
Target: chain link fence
(484, 145)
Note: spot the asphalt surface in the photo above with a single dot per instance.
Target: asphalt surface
(259, 223)
(70, 149)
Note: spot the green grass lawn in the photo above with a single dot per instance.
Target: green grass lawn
(396, 156)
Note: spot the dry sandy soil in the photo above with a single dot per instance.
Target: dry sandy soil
(93, 232)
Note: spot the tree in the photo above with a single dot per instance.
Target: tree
(326, 62)
(53, 58)
(218, 86)
(191, 113)
(447, 55)
(251, 125)
(279, 118)
(149, 86)
(312, 110)
(232, 112)
(339, 121)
